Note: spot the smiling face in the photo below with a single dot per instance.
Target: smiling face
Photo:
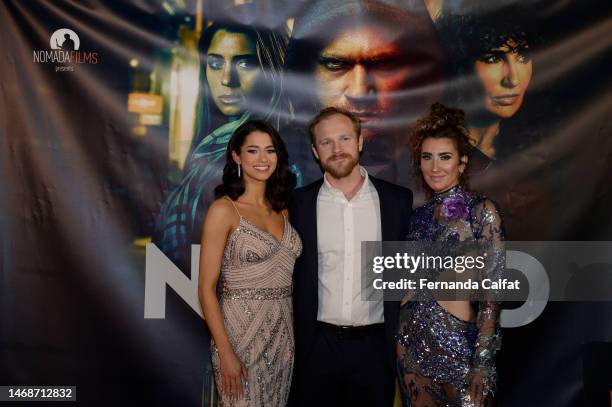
(337, 146)
(362, 71)
(232, 70)
(441, 164)
(505, 73)
(258, 157)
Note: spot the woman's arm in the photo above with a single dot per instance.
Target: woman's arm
(489, 232)
(218, 225)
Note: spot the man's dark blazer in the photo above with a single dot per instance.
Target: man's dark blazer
(395, 209)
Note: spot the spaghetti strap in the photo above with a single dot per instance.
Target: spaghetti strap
(255, 288)
(234, 205)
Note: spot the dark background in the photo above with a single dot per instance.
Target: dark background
(77, 188)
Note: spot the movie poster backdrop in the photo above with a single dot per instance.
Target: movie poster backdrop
(114, 122)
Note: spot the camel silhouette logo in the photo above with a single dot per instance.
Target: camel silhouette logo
(65, 39)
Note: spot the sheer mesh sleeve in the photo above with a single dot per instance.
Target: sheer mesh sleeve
(489, 232)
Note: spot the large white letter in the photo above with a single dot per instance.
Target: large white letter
(539, 287)
(159, 271)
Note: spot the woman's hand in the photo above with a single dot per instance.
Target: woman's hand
(476, 388)
(233, 373)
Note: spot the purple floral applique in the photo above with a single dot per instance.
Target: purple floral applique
(454, 208)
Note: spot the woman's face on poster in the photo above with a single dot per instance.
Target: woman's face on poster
(505, 73)
(232, 71)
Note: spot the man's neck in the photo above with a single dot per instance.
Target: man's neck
(348, 185)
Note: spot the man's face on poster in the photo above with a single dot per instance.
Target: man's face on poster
(363, 70)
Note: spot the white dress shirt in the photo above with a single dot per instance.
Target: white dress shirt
(341, 227)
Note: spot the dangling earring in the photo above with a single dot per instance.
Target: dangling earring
(238, 170)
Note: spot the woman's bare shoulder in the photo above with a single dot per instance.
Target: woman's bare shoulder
(222, 210)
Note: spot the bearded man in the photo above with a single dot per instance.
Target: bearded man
(344, 344)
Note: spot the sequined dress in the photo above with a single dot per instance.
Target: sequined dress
(255, 296)
(438, 353)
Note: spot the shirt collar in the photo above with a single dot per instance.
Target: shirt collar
(365, 186)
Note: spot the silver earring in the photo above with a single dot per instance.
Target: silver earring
(238, 170)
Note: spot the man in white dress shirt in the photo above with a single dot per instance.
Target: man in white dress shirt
(344, 344)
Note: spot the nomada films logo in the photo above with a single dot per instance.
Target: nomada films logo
(65, 50)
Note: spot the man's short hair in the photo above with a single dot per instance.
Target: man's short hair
(331, 111)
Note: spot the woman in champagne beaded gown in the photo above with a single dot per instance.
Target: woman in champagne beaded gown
(446, 349)
(248, 250)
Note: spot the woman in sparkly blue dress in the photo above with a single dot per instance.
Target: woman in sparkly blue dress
(446, 349)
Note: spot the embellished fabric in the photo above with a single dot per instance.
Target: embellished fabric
(255, 297)
(257, 293)
(440, 355)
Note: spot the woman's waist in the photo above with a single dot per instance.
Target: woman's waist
(459, 309)
(434, 336)
(260, 293)
(433, 324)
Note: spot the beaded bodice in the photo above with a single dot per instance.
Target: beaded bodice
(251, 254)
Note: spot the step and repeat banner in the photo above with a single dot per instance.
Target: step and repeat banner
(114, 121)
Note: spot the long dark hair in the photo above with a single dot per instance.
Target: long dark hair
(281, 182)
(442, 122)
(468, 38)
(271, 47)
